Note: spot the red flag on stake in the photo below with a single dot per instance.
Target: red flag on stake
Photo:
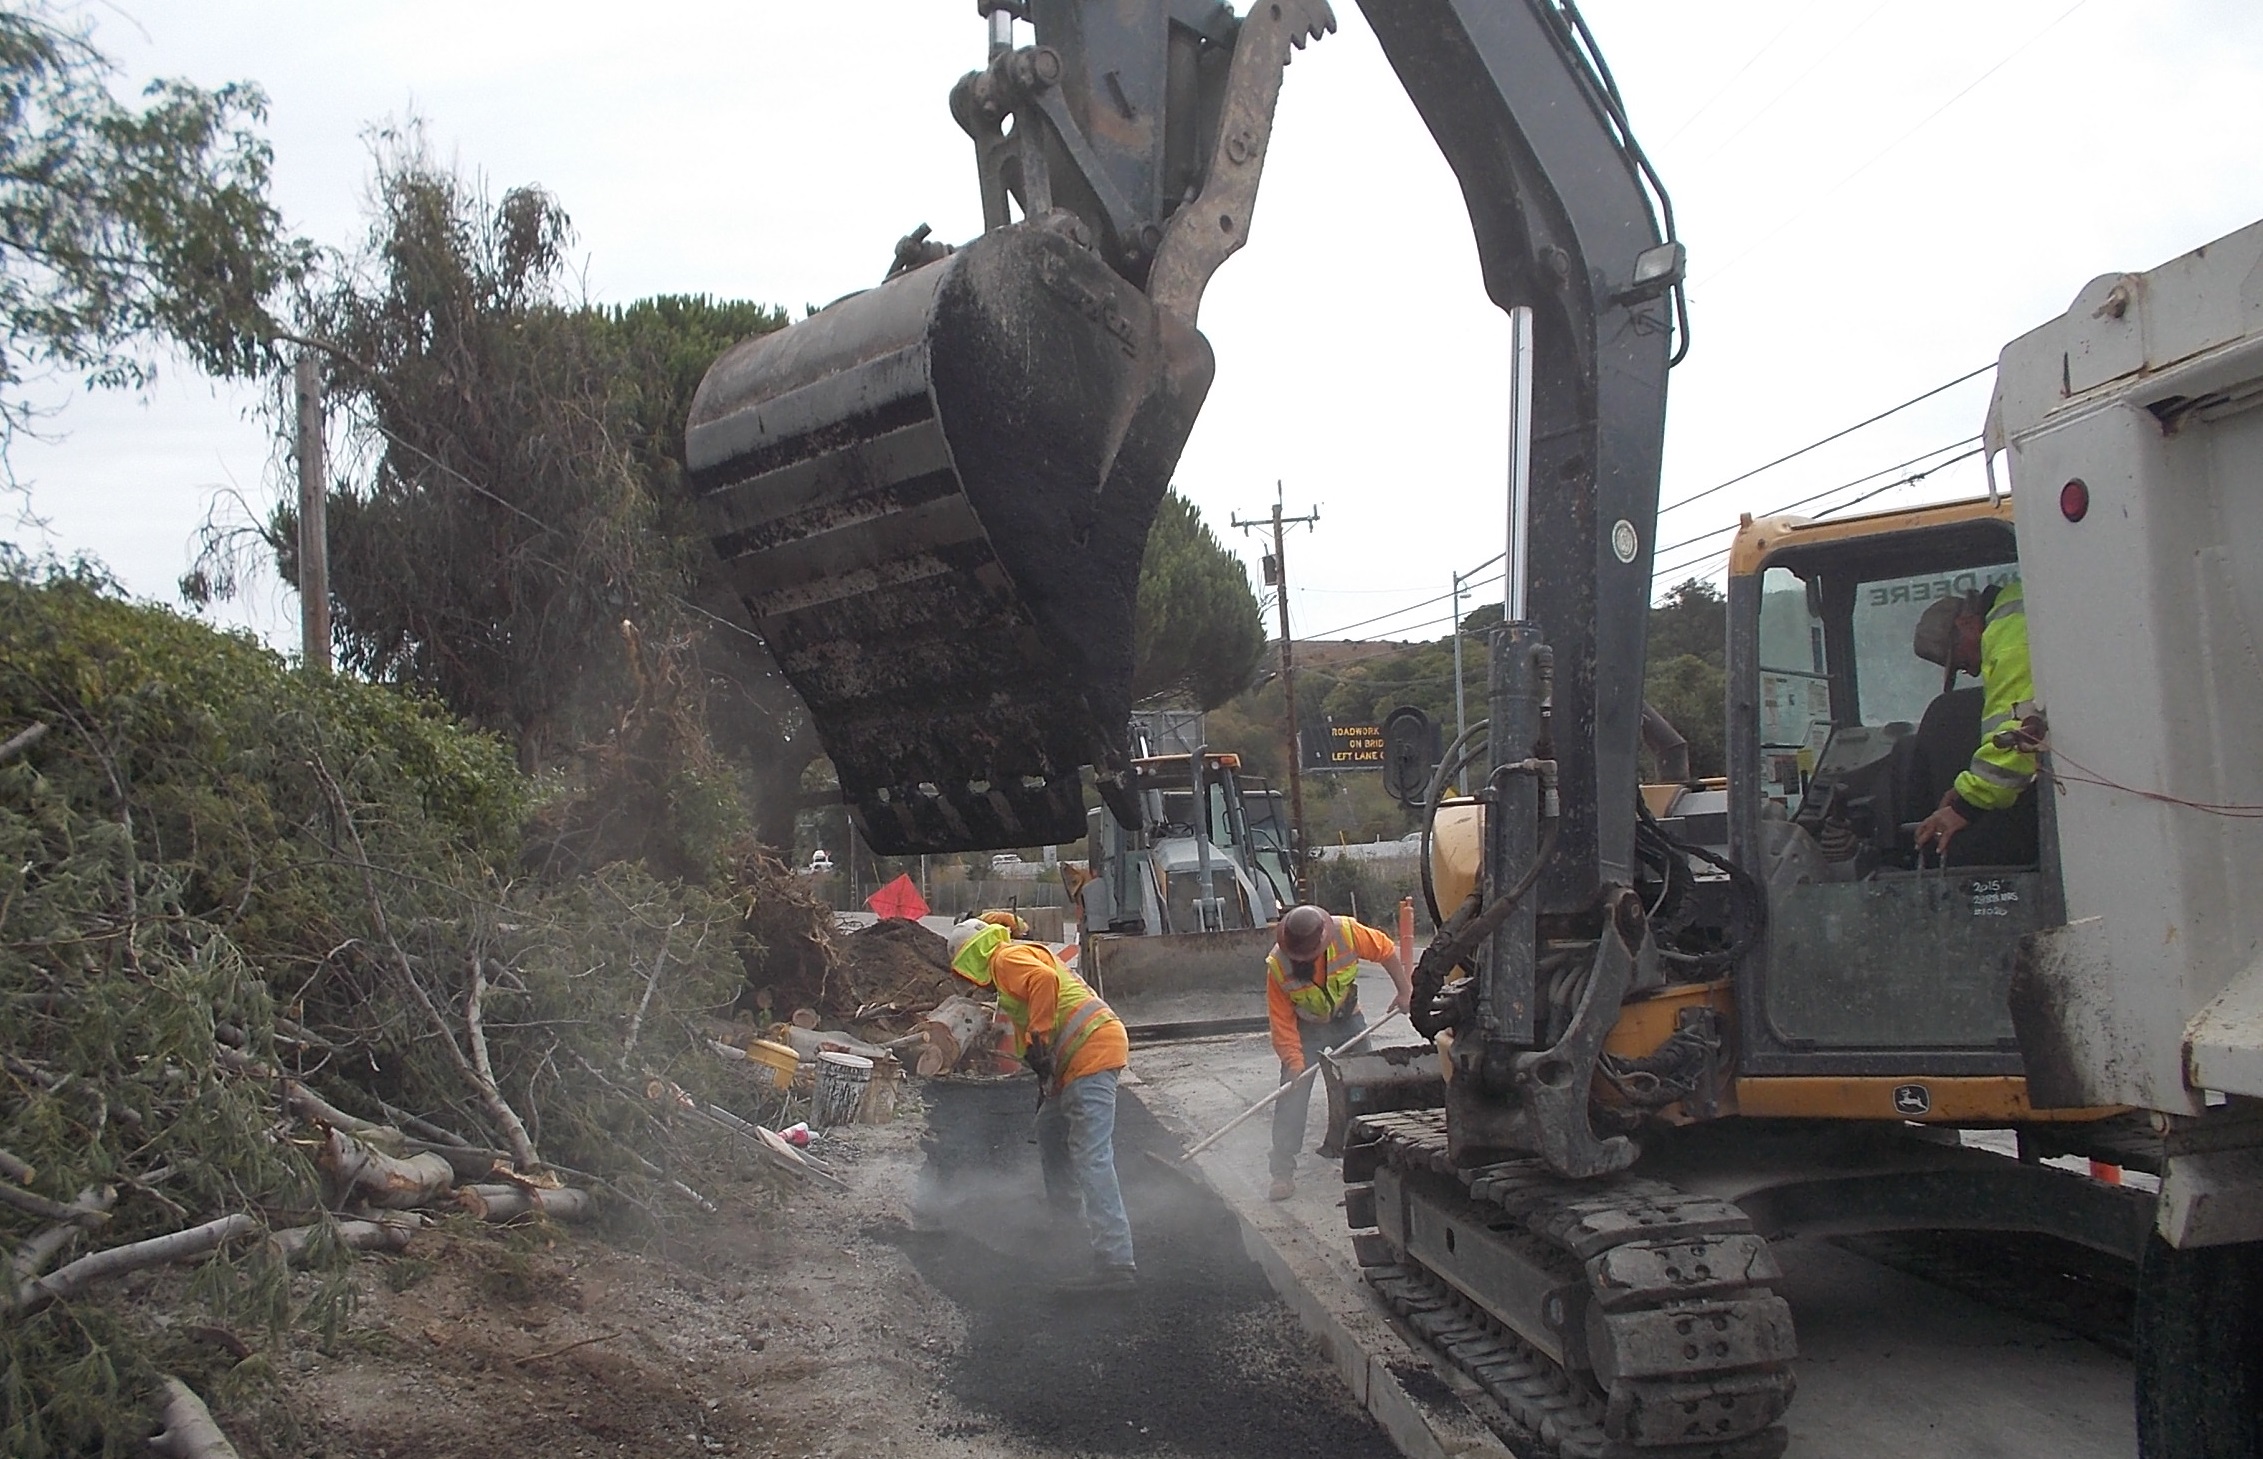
(899, 898)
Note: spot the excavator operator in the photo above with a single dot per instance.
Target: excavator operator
(1312, 1003)
(1983, 634)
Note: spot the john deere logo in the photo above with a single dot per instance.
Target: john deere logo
(1912, 1099)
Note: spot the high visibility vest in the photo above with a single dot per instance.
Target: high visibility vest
(1322, 999)
(1077, 1013)
(1997, 776)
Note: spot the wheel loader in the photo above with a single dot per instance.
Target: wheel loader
(1656, 1040)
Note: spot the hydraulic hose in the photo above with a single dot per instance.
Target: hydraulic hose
(1448, 767)
(1462, 936)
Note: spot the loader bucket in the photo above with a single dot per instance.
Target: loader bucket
(933, 498)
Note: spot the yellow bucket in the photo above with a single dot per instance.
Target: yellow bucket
(777, 1062)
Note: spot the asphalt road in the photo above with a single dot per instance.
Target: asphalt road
(1203, 1360)
(1890, 1364)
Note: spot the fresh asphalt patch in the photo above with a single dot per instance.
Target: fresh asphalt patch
(1202, 1359)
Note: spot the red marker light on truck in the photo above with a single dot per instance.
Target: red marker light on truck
(2074, 500)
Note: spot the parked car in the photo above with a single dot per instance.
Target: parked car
(819, 862)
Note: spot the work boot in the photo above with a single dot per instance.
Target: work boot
(1101, 1281)
(1281, 1189)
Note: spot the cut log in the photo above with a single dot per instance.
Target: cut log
(503, 1202)
(71, 1280)
(15, 1169)
(384, 1182)
(810, 1042)
(390, 1234)
(189, 1431)
(954, 1029)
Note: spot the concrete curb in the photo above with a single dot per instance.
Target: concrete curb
(1419, 1404)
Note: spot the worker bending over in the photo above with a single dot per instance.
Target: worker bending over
(1078, 1047)
(1312, 1003)
(1985, 634)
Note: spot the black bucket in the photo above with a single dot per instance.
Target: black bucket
(933, 498)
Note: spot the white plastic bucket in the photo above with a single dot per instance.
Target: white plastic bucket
(841, 1081)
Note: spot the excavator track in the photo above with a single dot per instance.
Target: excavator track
(1664, 1339)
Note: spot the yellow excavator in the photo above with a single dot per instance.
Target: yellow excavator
(1658, 1036)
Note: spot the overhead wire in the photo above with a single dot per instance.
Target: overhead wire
(1737, 75)
(1866, 477)
(1770, 104)
(1909, 480)
(1743, 476)
(1816, 199)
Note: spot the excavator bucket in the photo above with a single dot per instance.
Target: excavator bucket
(933, 498)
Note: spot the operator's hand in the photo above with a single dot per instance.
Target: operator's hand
(1939, 828)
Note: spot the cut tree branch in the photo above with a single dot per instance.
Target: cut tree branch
(482, 1081)
(490, 1093)
(189, 1431)
(22, 740)
(384, 1181)
(392, 1233)
(90, 1209)
(67, 1282)
(503, 1202)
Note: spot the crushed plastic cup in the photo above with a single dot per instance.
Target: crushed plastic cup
(796, 1134)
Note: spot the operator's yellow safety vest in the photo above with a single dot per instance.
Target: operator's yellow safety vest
(1322, 999)
(1997, 776)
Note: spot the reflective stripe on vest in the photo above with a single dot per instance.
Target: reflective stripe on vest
(1321, 1000)
(1070, 1033)
(1077, 1013)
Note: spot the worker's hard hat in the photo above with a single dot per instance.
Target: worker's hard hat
(965, 932)
(971, 943)
(1936, 639)
(1005, 917)
(1303, 932)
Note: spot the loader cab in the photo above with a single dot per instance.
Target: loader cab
(1150, 880)
(1840, 741)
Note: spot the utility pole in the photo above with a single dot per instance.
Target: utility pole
(1277, 577)
(314, 525)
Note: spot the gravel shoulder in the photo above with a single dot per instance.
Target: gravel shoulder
(903, 1314)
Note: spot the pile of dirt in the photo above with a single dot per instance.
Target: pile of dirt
(891, 962)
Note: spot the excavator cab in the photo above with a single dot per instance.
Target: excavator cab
(1879, 960)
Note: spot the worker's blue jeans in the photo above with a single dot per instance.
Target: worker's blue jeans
(1290, 1109)
(1076, 1143)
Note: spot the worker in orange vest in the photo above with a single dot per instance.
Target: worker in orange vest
(1078, 1047)
(1312, 1004)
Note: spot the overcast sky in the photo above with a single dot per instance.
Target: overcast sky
(1876, 196)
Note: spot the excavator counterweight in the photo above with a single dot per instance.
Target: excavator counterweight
(933, 498)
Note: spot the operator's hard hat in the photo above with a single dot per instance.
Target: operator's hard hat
(1936, 639)
(1303, 932)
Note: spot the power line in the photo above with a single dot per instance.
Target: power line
(1730, 84)
(1770, 104)
(1817, 199)
(1827, 440)
(1818, 496)
(1909, 480)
